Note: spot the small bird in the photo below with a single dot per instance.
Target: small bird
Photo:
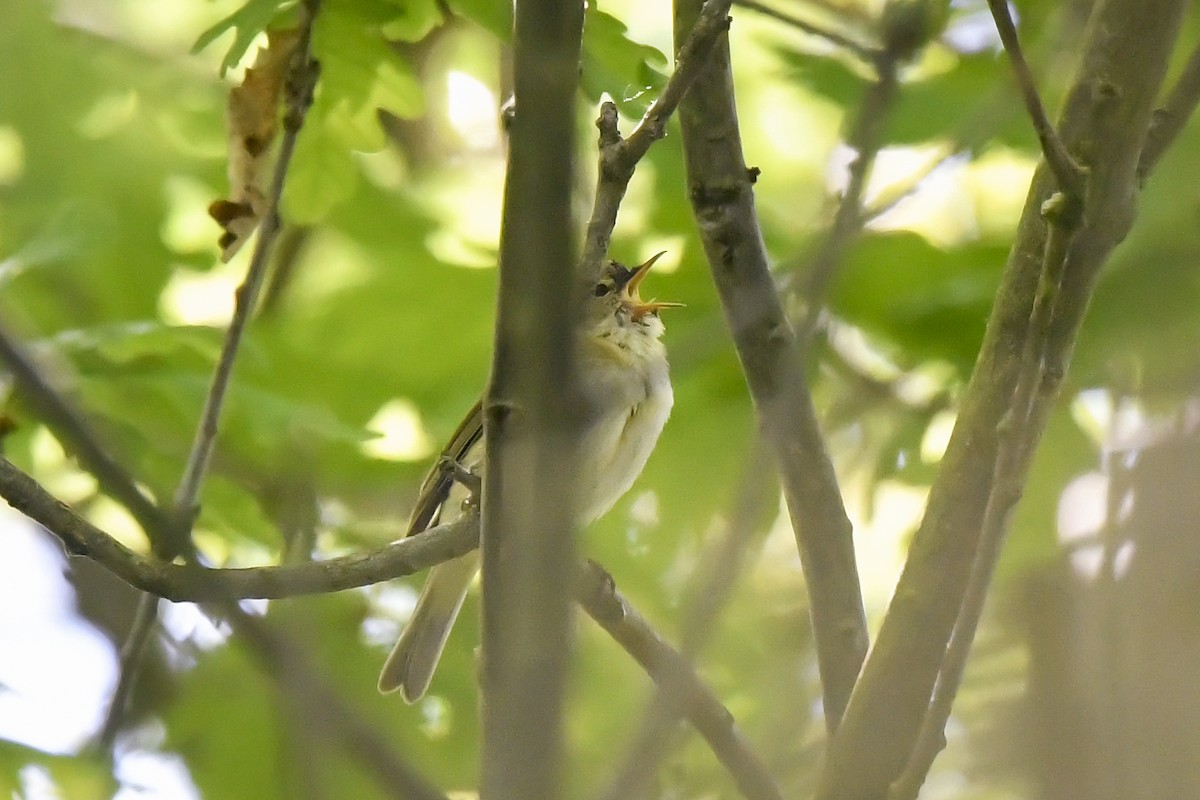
(623, 374)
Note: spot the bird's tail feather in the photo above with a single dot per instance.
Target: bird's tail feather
(410, 666)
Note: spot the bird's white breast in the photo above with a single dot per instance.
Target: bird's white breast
(629, 390)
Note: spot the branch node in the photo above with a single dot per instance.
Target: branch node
(1070, 175)
(607, 122)
(1063, 210)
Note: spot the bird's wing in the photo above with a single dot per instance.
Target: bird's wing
(436, 486)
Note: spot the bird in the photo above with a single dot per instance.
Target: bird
(625, 381)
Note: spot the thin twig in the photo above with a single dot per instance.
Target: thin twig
(866, 138)
(293, 243)
(69, 427)
(187, 582)
(721, 193)
(301, 82)
(866, 52)
(132, 651)
(1069, 174)
(1169, 120)
(670, 668)
(896, 193)
(619, 157)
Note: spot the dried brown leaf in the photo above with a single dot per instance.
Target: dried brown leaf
(253, 119)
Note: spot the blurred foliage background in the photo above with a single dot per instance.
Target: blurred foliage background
(373, 339)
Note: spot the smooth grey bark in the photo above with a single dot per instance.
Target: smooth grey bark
(530, 421)
(1103, 124)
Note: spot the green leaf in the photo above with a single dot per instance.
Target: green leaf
(234, 513)
(323, 175)
(630, 72)
(359, 67)
(361, 74)
(226, 725)
(925, 302)
(494, 16)
(249, 21)
(141, 343)
(973, 85)
(414, 21)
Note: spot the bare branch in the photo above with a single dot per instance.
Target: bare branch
(194, 583)
(720, 189)
(749, 519)
(1109, 107)
(533, 417)
(1069, 174)
(133, 649)
(671, 669)
(69, 427)
(1015, 449)
(289, 253)
(619, 157)
(898, 192)
(865, 52)
(301, 81)
(866, 138)
(1169, 120)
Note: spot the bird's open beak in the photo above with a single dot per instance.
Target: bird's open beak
(638, 307)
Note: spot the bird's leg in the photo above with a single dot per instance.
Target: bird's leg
(454, 469)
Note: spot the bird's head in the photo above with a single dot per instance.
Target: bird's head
(616, 298)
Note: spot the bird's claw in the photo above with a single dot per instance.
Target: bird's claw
(455, 470)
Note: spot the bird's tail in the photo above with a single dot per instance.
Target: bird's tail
(410, 666)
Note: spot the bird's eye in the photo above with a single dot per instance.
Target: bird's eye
(601, 289)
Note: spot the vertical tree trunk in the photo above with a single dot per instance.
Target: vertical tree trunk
(1104, 123)
(528, 553)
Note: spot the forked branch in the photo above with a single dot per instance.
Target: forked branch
(619, 157)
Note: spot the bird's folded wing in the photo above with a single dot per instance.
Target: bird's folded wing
(436, 486)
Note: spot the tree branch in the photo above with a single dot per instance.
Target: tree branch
(145, 617)
(302, 78)
(1108, 108)
(1069, 174)
(1015, 450)
(749, 519)
(865, 52)
(186, 582)
(865, 138)
(671, 670)
(719, 186)
(619, 157)
(1169, 120)
(69, 427)
(533, 416)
